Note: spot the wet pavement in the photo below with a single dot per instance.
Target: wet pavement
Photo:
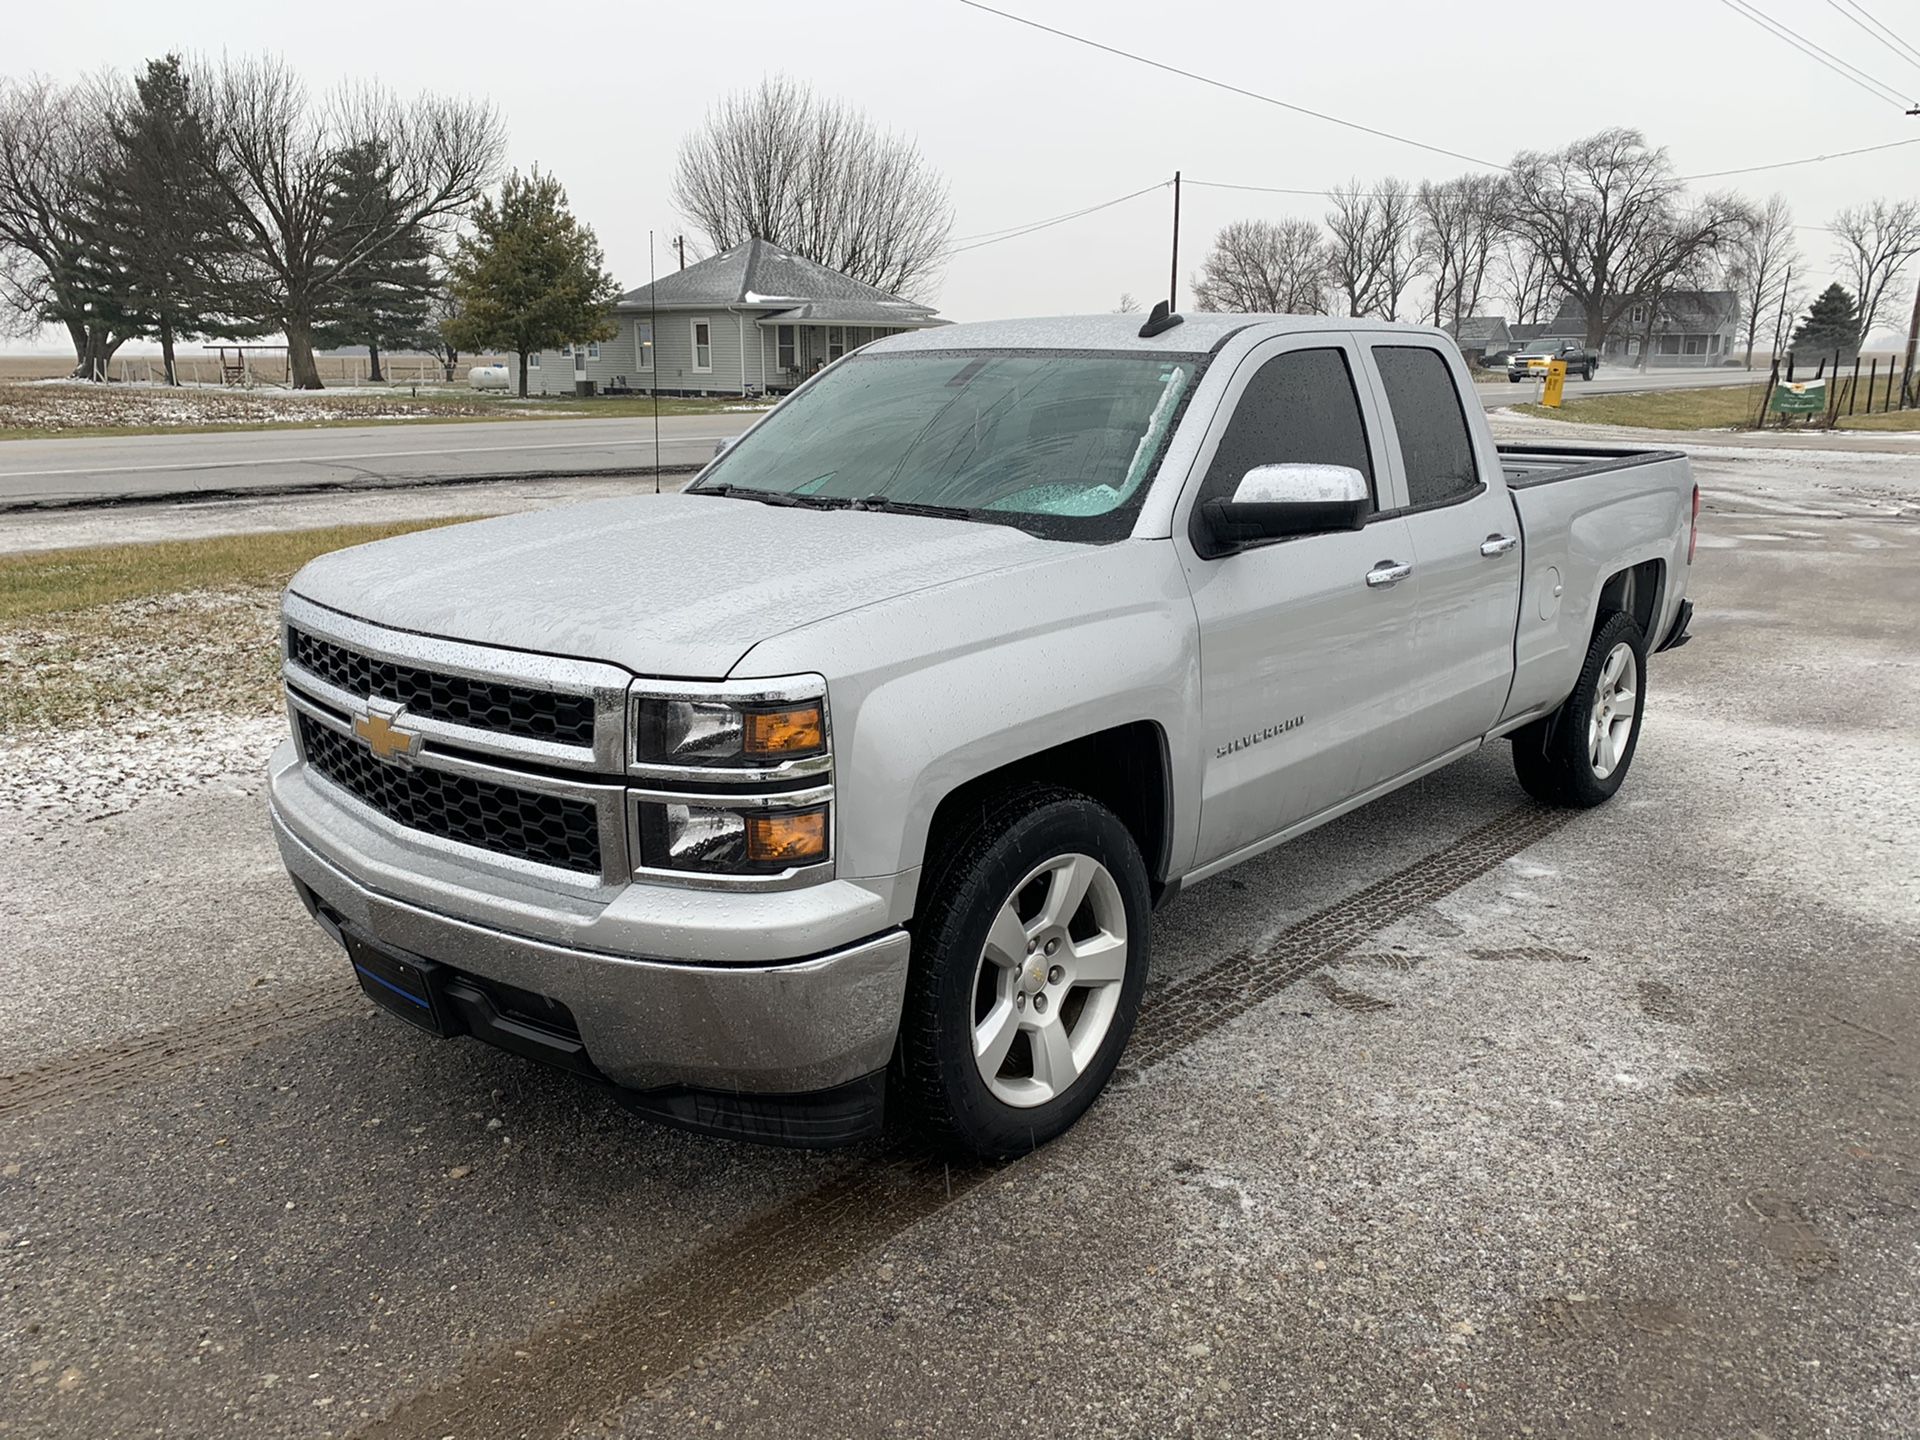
(1456, 1117)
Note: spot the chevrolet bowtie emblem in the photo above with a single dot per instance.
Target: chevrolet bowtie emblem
(389, 743)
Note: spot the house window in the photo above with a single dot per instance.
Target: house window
(643, 345)
(566, 350)
(788, 358)
(533, 361)
(702, 345)
(836, 342)
(593, 352)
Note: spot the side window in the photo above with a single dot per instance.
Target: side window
(1435, 445)
(1300, 407)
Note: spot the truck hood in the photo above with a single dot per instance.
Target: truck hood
(666, 585)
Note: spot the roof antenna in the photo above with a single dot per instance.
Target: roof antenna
(1162, 319)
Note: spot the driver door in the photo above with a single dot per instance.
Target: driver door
(1302, 660)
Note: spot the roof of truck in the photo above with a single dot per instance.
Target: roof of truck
(1197, 333)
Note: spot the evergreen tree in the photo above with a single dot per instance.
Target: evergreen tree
(161, 253)
(1832, 323)
(528, 277)
(384, 280)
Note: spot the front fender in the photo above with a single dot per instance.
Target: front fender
(936, 689)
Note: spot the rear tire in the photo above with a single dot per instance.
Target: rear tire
(1579, 755)
(1029, 959)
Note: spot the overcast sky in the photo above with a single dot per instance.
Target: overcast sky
(1027, 126)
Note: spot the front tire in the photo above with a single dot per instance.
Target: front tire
(1029, 960)
(1579, 755)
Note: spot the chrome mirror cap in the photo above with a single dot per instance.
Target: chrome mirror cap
(1295, 484)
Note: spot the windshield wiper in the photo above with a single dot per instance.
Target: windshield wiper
(916, 507)
(773, 497)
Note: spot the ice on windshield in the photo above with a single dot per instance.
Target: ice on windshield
(1065, 435)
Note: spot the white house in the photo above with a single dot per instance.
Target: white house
(750, 320)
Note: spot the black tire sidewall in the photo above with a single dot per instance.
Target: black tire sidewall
(948, 953)
(1570, 738)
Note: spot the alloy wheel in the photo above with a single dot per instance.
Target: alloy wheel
(1048, 982)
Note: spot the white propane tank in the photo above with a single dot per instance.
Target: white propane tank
(488, 377)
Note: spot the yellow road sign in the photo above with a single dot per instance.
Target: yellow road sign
(1556, 381)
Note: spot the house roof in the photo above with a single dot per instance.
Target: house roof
(1680, 310)
(1480, 332)
(1523, 333)
(761, 276)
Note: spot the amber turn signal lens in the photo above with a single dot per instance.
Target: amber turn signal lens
(800, 730)
(791, 838)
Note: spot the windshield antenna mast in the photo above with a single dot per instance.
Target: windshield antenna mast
(653, 367)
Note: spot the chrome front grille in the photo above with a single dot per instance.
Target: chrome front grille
(458, 699)
(544, 829)
(518, 757)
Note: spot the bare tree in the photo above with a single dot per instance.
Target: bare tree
(53, 140)
(279, 153)
(1260, 267)
(1128, 305)
(1610, 219)
(818, 178)
(1520, 279)
(1761, 266)
(1461, 222)
(1373, 250)
(1875, 242)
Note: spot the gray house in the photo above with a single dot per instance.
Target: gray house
(748, 321)
(1690, 328)
(1479, 336)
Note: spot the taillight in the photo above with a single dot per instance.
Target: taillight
(1693, 526)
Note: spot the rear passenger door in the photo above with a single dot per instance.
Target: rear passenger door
(1466, 550)
(1300, 656)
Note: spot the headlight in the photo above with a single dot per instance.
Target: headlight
(695, 839)
(732, 782)
(715, 734)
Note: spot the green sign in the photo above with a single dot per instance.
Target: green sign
(1801, 397)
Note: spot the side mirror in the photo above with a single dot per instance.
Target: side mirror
(1278, 502)
(723, 444)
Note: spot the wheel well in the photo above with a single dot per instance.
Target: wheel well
(1124, 768)
(1636, 591)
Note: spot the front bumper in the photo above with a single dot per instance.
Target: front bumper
(819, 1022)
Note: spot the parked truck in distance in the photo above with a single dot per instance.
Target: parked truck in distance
(1531, 361)
(845, 783)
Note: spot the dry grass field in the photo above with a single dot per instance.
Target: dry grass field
(196, 368)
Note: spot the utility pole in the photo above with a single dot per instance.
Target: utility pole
(680, 244)
(1913, 344)
(1173, 277)
(1780, 323)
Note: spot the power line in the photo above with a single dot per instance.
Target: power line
(1808, 160)
(1876, 88)
(1880, 32)
(1014, 232)
(1027, 224)
(1235, 89)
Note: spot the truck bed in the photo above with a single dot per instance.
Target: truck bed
(1529, 465)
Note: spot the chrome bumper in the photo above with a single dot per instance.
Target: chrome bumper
(766, 1029)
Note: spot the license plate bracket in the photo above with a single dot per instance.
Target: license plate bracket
(410, 986)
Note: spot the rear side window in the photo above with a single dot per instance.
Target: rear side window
(1300, 408)
(1436, 447)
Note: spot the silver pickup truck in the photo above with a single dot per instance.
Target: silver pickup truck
(846, 781)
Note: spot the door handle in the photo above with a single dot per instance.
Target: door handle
(1498, 544)
(1388, 572)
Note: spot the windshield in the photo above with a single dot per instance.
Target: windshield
(1059, 443)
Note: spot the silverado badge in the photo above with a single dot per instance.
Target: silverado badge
(389, 743)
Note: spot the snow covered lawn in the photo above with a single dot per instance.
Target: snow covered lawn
(57, 407)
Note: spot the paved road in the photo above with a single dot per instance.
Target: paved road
(155, 467)
(150, 467)
(1492, 1122)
